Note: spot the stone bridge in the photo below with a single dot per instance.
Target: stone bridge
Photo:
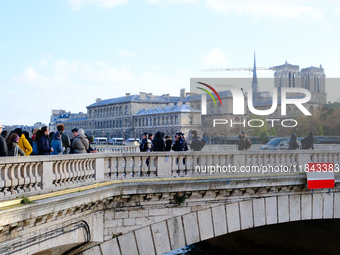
(138, 203)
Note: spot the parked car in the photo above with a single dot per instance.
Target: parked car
(281, 143)
(131, 140)
(100, 140)
(116, 141)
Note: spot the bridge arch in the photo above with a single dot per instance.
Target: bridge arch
(180, 230)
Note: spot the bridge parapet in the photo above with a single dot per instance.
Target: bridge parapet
(20, 175)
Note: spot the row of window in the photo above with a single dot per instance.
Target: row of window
(306, 82)
(109, 112)
(156, 121)
(139, 122)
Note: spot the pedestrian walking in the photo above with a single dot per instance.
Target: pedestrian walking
(243, 142)
(293, 142)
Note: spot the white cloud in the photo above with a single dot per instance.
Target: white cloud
(215, 58)
(338, 9)
(172, 1)
(77, 4)
(72, 86)
(126, 53)
(273, 9)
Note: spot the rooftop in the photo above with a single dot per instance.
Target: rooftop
(137, 98)
(174, 109)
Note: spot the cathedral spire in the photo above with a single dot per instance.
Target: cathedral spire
(254, 82)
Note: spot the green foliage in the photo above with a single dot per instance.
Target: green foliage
(180, 199)
(272, 131)
(25, 200)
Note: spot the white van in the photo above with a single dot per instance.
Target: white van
(131, 140)
(116, 141)
(100, 140)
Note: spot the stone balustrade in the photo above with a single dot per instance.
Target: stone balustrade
(19, 175)
(114, 149)
(208, 147)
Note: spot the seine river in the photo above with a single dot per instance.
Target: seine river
(198, 249)
(309, 237)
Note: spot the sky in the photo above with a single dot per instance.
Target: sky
(63, 54)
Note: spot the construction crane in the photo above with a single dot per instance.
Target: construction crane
(249, 69)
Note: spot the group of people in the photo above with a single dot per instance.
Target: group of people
(244, 143)
(161, 143)
(42, 142)
(306, 144)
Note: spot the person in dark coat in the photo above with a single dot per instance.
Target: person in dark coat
(180, 143)
(158, 142)
(308, 142)
(3, 145)
(50, 138)
(168, 143)
(144, 143)
(4, 134)
(197, 143)
(27, 135)
(43, 144)
(243, 142)
(293, 142)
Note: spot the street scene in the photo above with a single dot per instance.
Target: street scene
(196, 127)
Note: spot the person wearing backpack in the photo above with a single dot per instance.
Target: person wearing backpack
(144, 143)
(180, 143)
(197, 143)
(80, 143)
(243, 142)
(308, 142)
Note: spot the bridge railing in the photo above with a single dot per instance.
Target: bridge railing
(19, 175)
(208, 147)
(114, 149)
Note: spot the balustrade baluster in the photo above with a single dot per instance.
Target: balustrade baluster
(14, 180)
(129, 167)
(25, 174)
(153, 169)
(21, 180)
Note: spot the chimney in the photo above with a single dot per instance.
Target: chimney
(98, 100)
(150, 95)
(127, 95)
(182, 94)
(142, 95)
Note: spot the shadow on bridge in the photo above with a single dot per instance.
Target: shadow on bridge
(300, 237)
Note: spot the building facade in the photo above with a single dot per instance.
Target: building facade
(132, 115)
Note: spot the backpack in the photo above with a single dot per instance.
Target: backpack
(35, 148)
(143, 145)
(201, 142)
(248, 143)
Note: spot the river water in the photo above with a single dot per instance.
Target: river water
(199, 249)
